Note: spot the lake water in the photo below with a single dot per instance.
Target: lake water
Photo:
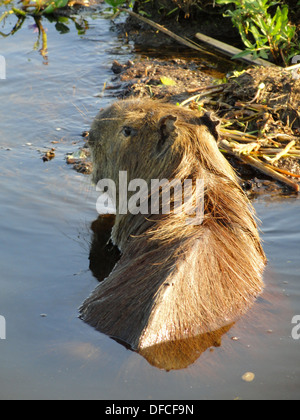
(46, 211)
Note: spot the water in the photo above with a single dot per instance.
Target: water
(46, 210)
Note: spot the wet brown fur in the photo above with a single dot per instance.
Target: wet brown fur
(174, 280)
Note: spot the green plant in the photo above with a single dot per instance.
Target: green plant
(265, 34)
(117, 3)
(37, 10)
(35, 7)
(55, 4)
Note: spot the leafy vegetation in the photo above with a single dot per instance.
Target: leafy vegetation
(36, 7)
(116, 3)
(263, 25)
(265, 34)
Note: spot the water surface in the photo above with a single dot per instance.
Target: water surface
(46, 211)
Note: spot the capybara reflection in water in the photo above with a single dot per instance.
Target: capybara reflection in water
(174, 279)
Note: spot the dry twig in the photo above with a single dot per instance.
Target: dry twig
(256, 163)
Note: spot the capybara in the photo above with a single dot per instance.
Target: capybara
(174, 279)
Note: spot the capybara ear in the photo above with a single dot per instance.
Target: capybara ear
(167, 129)
(211, 123)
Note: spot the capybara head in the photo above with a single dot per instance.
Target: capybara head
(153, 140)
(174, 280)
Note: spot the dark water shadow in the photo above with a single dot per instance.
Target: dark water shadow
(103, 254)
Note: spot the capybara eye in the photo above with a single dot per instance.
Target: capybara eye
(127, 131)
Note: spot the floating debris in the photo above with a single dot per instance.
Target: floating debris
(235, 338)
(80, 160)
(248, 377)
(78, 156)
(49, 155)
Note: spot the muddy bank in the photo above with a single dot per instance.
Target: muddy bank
(209, 22)
(259, 111)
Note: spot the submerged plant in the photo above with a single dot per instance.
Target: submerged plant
(36, 9)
